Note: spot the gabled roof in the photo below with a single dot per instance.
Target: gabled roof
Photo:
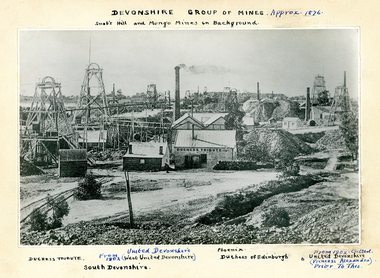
(204, 117)
(324, 109)
(291, 119)
(147, 149)
(206, 138)
(187, 118)
(213, 119)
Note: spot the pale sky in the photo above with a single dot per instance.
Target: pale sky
(284, 61)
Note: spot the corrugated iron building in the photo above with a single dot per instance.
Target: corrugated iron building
(143, 156)
(72, 163)
(205, 147)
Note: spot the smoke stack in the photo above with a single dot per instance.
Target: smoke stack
(177, 112)
(113, 93)
(307, 108)
(258, 91)
(344, 81)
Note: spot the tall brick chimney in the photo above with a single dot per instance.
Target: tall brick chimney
(177, 103)
(307, 106)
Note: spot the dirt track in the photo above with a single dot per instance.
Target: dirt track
(197, 189)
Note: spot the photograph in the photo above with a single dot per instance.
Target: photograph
(189, 137)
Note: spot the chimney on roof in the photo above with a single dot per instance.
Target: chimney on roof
(130, 148)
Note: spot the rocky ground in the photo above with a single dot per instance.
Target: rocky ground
(322, 212)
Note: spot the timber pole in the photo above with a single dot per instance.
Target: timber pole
(126, 174)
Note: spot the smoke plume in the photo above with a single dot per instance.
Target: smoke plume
(202, 69)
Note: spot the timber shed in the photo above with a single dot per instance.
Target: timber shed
(72, 163)
(146, 156)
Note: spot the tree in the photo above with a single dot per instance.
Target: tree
(234, 121)
(88, 188)
(40, 221)
(323, 98)
(60, 209)
(120, 95)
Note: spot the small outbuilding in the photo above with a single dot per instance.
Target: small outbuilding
(146, 156)
(321, 114)
(291, 123)
(72, 163)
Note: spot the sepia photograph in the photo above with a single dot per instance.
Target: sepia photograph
(180, 137)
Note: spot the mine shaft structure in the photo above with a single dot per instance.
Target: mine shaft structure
(86, 101)
(47, 125)
(151, 92)
(95, 105)
(319, 86)
(340, 103)
(231, 101)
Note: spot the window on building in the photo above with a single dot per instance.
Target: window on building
(142, 161)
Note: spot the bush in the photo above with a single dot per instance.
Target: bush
(288, 167)
(40, 221)
(60, 209)
(276, 217)
(88, 189)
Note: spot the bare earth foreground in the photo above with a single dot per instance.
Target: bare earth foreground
(168, 207)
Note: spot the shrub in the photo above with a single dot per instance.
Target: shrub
(60, 209)
(40, 221)
(88, 188)
(276, 217)
(288, 167)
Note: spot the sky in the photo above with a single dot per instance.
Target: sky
(284, 61)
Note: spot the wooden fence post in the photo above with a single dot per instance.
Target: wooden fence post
(126, 174)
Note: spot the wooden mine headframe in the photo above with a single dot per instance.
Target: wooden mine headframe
(47, 111)
(46, 124)
(341, 102)
(86, 101)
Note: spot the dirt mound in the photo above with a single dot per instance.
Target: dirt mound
(275, 143)
(263, 112)
(286, 108)
(240, 203)
(29, 169)
(250, 105)
(333, 139)
(106, 155)
(297, 204)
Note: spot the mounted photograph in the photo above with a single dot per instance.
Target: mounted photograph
(180, 137)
